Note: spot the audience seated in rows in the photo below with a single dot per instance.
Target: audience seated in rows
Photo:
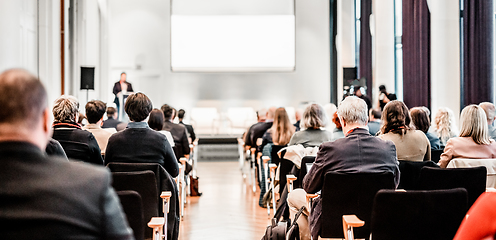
(337, 133)
(179, 132)
(444, 125)
(156, 122)
(45, 197)
(474, 141)
(357, 152)
(420, 120)
(312, 131)
(374, 121)
(281, 131)
(138, 143)
(490, 111)
(261, 116)
(410, 144)
(94, 112)
(191, 131)
(78, 144)
(112, 121)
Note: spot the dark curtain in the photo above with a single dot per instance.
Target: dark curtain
(365, 66)
(333, 28)
(477, 78)
(416, 53)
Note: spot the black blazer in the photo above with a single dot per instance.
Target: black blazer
(141, 145)
(111, 123)
(78, 144)
(118, 89)
(52, 198)
(180, 135)
(191, 131)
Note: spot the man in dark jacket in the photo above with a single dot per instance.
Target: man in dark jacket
(191, 131)
(179, 133)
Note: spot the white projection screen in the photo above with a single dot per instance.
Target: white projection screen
(229, 36)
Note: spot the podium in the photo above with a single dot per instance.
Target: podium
(122, 100)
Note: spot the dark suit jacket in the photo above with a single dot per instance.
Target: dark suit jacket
(141, 145)
(258, 131)
(180, 135)
(111, 123)
(191, 131)
(359, 152)
(78, 144)
(248, 138)
(54, 148)
(51, 198)
(118, 89)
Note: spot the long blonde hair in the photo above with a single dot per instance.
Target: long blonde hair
(473, 124)
(444, 124)
(282, 130)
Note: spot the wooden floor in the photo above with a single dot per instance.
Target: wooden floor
(228, 209)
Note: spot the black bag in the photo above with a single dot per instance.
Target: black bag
(279, 230)
(193, 186)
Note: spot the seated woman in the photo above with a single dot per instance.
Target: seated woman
(411, 145)
(338, 131)
(474, 141)
(420, 120)
(312, 131)
(444, 125)
(138, 143)
(281, 131)
(156, 122)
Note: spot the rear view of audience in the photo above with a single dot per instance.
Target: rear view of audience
(78, 144)
(410, 144)
(44, 197)
(138, 143)
(191, 131)
(474, 141)
(374, 121)
(444, 125)
(312, 131)
(94, 112)
(420, 120)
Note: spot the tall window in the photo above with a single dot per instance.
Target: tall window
(398, 48)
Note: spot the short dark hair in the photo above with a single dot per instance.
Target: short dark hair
(138, 106)
(23, 99)
(180, 113)
(111, 111)
(95, 110)
(156, 119)
(376, 112)
(168, 111)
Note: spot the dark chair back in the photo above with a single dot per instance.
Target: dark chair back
(410, 173)
(345, 194)
(472, 179)
(285, 167)
(78, 151)
(144, 184)
(436, 154)
(274, 158)
(298, 183)
(133, 208)
(413, 215)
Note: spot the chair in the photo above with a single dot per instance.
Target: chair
(436, 154)
(410, 172)
(285, 167)
(274, 157)
(413, 215)
(133, 208)
(303, 170)
(490, 165)
(344, 194)
(472, 179)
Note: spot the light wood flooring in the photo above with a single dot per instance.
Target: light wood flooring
(228, 209)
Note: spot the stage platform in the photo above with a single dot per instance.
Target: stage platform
(219, 147)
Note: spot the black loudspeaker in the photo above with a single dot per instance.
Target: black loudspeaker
(349, 73)
(87, 78)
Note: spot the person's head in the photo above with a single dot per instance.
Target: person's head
(180, 114)
(395, 118)
(168, 111)
(335, 120)
(375, 114)
(156, 119)
(95, 110)
(353, 112)
(271, 113)
(382, 89)
(444, 124)
(314, 117)
(65, 109)
(24, 113)
(473, 123)
(138, 106)
(174, 112)
(262, 115)
(123, 77)
(420, 118)
(112, 112)
(490, 111)
(81, 118)
(298, 114)
(357, 91)
(282, 128)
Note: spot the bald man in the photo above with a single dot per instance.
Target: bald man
(44, 197)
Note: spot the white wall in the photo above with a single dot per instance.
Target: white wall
(345, 40)
(139, 33)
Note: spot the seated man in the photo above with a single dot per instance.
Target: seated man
(78, 144)
(94, 112)
(138, 143)
(179, 132)
(191, 131)
(45, 197)
(374, 121)
(357, 152)
(112, 121)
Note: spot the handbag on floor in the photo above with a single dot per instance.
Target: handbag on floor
(193, 186)
(283, 230)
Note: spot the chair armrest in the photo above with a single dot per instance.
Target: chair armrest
(166, 195)
(265, 159)
(349, 222)
(290, 178)
(183, 160)
(157, 224)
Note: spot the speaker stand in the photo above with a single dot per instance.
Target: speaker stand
(87, 90)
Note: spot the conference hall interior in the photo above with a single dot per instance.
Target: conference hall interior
(232, 119)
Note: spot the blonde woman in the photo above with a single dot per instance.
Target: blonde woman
(281, 131)
(312, 127)
(473, 141)
(444, 125)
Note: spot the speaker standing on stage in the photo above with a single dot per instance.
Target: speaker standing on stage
(121, 86)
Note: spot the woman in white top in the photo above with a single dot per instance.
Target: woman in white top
(156, 122)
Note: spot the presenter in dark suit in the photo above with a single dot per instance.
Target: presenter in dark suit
(121, 86)
(357, 152)
(44, 197)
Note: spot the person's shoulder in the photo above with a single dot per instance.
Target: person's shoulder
(78, 171)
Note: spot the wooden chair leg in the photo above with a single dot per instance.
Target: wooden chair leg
(272, 168)
(166, 195)
(157, 224)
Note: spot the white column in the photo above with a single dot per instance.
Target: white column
(345, 40)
